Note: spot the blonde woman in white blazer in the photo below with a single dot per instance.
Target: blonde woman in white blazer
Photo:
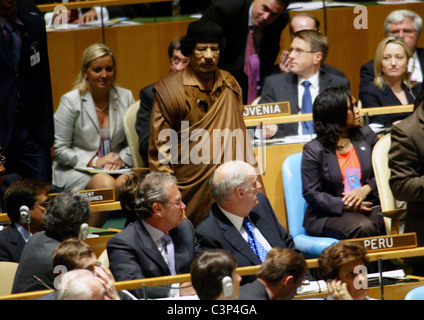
(92, 110)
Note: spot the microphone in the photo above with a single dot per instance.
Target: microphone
(227, 286)
(24, 216)
(83, 233)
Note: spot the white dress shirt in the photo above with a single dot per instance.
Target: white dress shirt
(314, 89)
(237, 221)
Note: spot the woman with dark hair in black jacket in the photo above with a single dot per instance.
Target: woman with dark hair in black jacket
(337, 176)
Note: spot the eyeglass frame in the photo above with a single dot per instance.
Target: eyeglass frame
(299, 52)
(408, 32)
(43, 204)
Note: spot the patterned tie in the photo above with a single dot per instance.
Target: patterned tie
(256, 246)
(307, 126)
(251, 67)
(13, 43)
(170, 253)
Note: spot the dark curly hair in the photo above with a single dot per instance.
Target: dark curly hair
(337, 255)
(65, 214)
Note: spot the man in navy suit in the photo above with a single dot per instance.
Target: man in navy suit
(407, 25)
(142, 249)
(26, 107)
(267, 17)
(308, 51)
(238, 207)
(33, 194)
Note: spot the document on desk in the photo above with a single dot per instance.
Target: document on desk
(398, 2)
(317, 5)
(101, 170)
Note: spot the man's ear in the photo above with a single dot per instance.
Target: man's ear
(287, 280)
(158, 208)
(239, 191)
(318, 58)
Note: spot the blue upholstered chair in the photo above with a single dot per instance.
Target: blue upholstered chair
(415, 294)
(310, 246)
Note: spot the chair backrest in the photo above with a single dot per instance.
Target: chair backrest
(380, 164)
(131, 134)
(415, 294)
(295, 203)
(7, 275)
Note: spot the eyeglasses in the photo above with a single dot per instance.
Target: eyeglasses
(43, 204)
(175, 202)
(299, 52)
(176, 61)
(406, 32)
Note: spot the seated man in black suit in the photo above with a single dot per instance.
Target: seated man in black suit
(177, 62)
(25, 203)
(241, 220)
(278, 277)
(161, 242)
(407, 25)
(65, 215)
(308, 51)
(304, 21)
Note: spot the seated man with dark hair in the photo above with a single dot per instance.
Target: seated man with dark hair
(63, 219)
(279, 276)
(25, 201)
(214, 276)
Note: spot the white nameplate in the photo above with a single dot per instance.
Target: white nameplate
(267, 110)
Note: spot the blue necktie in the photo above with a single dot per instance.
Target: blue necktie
(307, 108)
(170, 253)
(13, 43)
(256, 246)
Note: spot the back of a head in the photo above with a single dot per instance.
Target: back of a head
(65, 214)
(80, 284)
(281, 262)
(208, 270)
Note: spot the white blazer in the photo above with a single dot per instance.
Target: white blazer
(77, 135)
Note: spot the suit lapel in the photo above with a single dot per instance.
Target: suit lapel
(234, 238)
(149, 247)
(334, 170)
(113, 110)
(88, 105)
(265, 227)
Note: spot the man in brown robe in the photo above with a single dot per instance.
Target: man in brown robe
(197, 122)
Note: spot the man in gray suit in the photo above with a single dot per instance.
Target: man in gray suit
(308, 51)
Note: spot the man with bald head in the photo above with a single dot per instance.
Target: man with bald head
(241, 220)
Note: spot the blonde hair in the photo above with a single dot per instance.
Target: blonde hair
(379, 79)
(93, 52)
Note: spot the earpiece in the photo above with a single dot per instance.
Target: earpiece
(83, 233)
(24, 215)
(410, 65)
(227, 286)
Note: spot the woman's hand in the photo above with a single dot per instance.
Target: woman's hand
(354, 201)
(111, 162)
(338, 290)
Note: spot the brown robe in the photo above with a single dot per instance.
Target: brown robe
(194, 156)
